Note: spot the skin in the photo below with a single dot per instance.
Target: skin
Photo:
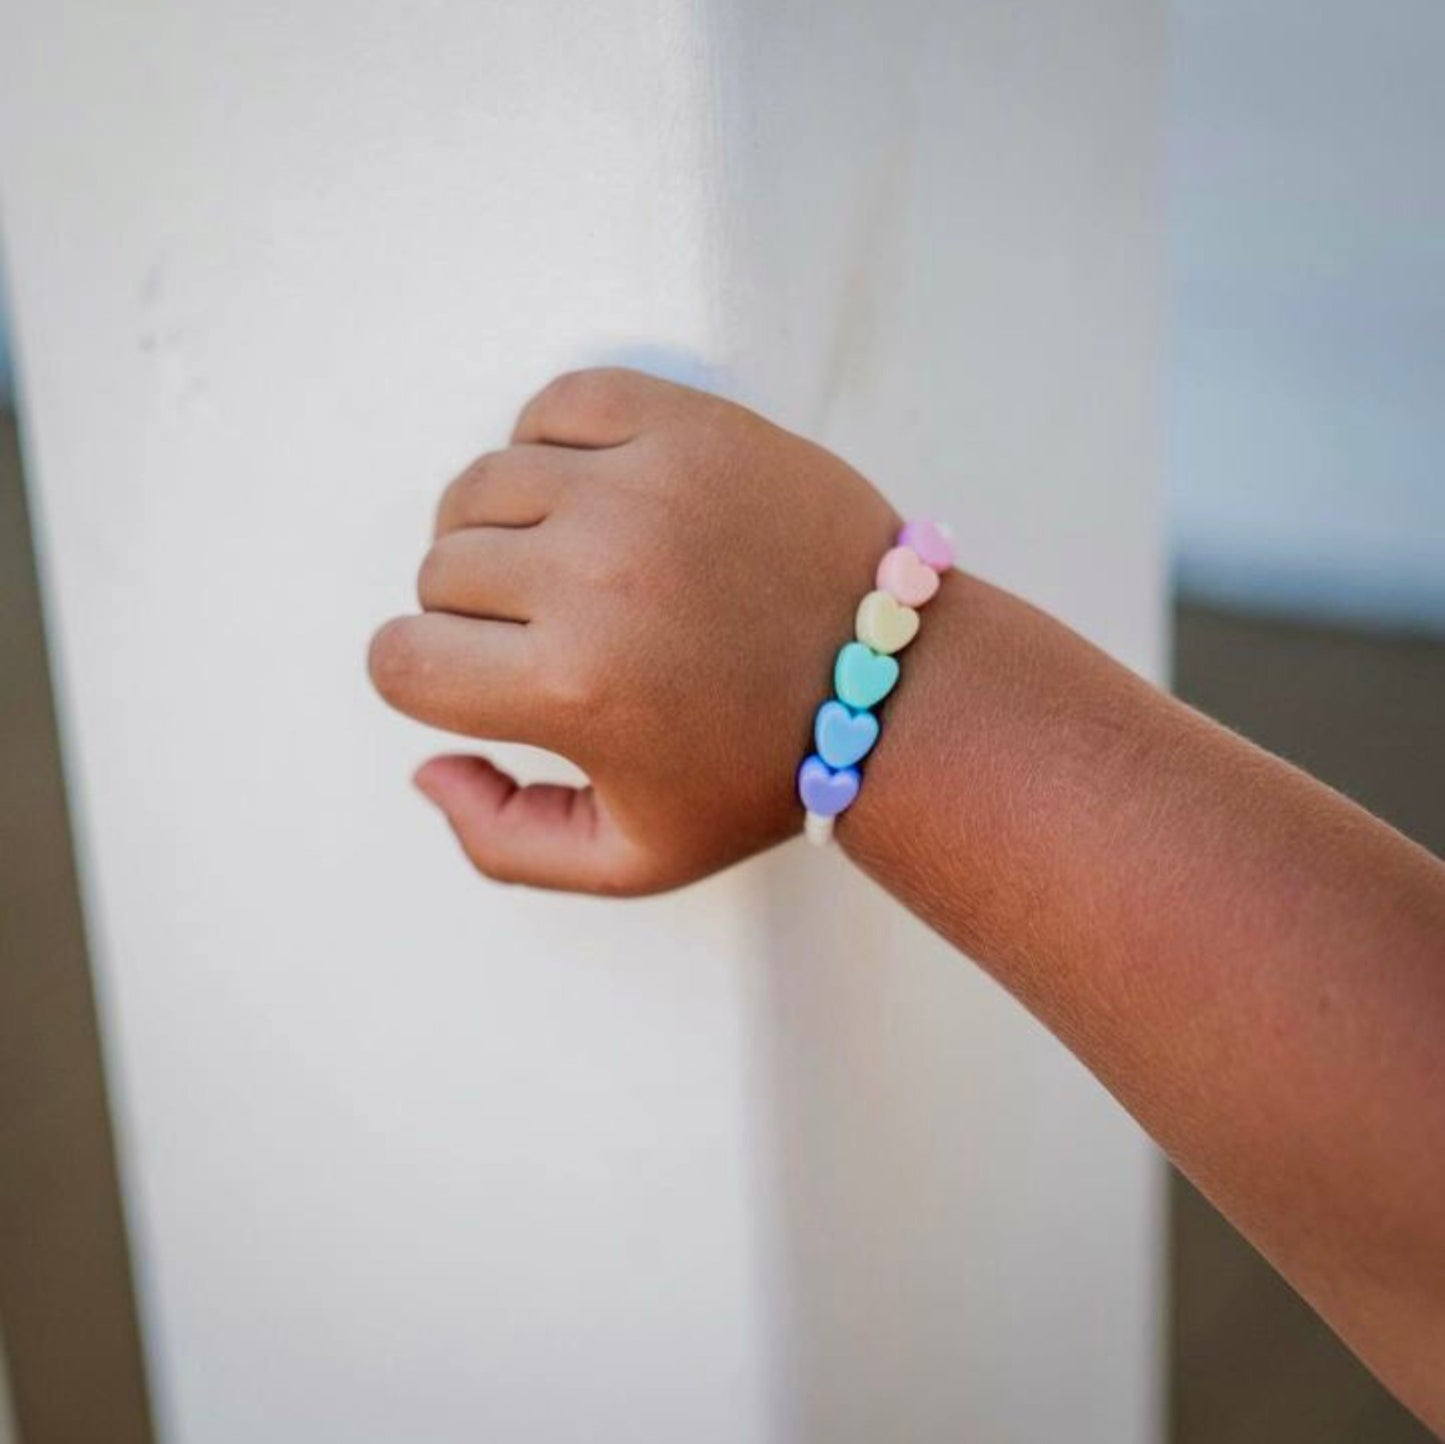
(653, 582)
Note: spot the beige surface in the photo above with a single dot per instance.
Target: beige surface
(8, 1433)
(65, 1300)
(1252, 1363)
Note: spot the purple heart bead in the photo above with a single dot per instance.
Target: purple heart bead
(825, 792)
(928, 541)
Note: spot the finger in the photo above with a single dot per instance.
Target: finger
(604, 407)
(518, 487)
(543, 835)
(474, 677)
(491, 572)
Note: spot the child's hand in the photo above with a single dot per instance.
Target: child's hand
(653, 583)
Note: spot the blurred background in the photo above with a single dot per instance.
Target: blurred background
(1306, 518)
(1306, 484)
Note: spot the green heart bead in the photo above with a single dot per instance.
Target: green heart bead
(862, 678)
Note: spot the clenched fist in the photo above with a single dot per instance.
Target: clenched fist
(651, 582)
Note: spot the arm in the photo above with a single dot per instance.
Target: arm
(653, 583)
(1254, 966)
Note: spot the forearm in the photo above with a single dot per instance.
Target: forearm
(1253, 965)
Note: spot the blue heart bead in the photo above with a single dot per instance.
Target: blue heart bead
(824, 792)
(843, 736)
(862, 678)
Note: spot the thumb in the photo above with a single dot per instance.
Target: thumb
(543, 835)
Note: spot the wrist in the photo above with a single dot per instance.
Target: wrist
(1005, 727)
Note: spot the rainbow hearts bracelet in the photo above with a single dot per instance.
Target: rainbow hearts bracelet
(846, 727)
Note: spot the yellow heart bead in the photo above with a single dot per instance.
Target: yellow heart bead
(885, 624)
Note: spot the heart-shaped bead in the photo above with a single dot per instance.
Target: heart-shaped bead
(862, 678)
(928, 539)
(884, 624)
(905, 575)
(824, 792)
(842, 736)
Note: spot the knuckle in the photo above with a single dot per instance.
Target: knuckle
(578, 388)
(394, 658)
(493, 864)
(483, 471)
(430, 576)
(458, 501)
(597, 391)
(572, 687)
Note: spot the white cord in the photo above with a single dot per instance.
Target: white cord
(818, 830)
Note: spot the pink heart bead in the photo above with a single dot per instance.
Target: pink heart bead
(906, 577)
(927, 539)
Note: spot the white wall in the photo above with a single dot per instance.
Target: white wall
(414, 1157)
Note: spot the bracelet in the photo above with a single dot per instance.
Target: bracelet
(845, 729)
